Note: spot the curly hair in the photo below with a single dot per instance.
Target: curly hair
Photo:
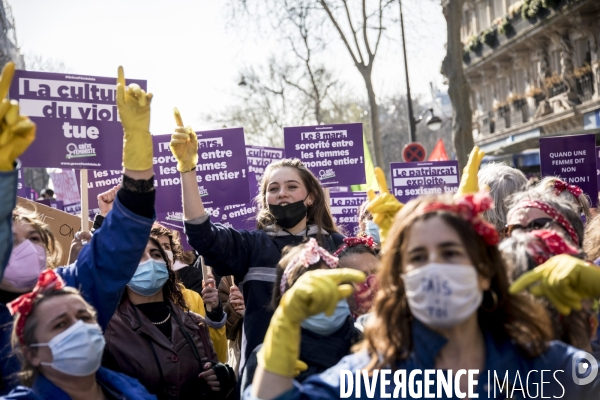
(581, 203)
(172, 289)
(186, 257)
(515, 317)
(317, 214)
(591, 242)
(51, 245)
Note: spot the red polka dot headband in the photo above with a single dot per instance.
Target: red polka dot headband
(356, 241)
(550, 244)
(552, 212)
(23, 305)
(311, 254)
(561, 186)
(470, 207)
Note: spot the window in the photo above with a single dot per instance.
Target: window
(486, 98)
(482, 16)
(582, 52)
(519, 81)
(502, 86)
(555, 62)
(497, 9)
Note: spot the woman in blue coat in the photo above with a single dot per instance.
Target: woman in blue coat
(292, 207)
(444, 306)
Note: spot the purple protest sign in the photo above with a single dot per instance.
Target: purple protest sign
(99, 182)
(77, 120)
(344, 209)
(413, 179)
(221, 173)
(258, 158)
(22, 190)
(598, 165)
(573, 159)
(333, 153)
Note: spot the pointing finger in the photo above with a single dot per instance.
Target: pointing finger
(383, 187)
(121, 76)
(177, 116)
(7, 76)
(344, 275)
(524, 281)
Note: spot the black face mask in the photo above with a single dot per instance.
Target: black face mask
(289, 216)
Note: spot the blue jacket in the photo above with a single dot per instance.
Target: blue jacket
(251, 257)
(8, 200)
(101, 272)
(501, 358)
(122, 386)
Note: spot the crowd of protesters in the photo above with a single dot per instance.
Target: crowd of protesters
(500, 276)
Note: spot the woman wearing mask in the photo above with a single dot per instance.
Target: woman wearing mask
(34, 250)
(60, 343)
(154, 338)
(324, 339)
(291, 207)
(359, 254)
(169, 241)
(108, 262)
(443, 304)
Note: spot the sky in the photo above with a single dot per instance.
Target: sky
(191, 55)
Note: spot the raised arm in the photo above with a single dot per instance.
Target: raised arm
(107, 264)
(16, 134)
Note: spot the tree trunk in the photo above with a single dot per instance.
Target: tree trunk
(374, 115)
(458, 87)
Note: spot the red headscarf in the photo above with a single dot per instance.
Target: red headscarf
(23, 305)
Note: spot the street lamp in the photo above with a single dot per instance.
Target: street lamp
(433, 123)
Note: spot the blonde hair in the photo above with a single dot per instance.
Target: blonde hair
(51, 245)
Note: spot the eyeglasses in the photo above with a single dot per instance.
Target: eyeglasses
(536, 224)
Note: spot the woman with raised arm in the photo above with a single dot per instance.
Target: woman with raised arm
(291, 207)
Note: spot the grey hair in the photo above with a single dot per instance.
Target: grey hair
(514, 252)
(503, 181)
(564, 207)
(581, 204)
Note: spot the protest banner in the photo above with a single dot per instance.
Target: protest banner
(598, 165)
(56, 204)
(66, 186)
(62, 225)
(221, 173)
(258, 158)
(573, 159)
(413, 179)
(334, 153)
(78, 125)
(344, 208)
(22, 190)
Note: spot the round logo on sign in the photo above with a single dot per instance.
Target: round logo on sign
(414, 152)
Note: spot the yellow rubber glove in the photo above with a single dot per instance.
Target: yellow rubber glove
(134, 110)
(184, 145)
(314, 292)
(17, 132)
(383, 206)
(469, 182)
(564, 280)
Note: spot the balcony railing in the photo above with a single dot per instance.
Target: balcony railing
(585, 87)
(558, 89)
(518, 113)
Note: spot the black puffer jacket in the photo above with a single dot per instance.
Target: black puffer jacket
(251, 257)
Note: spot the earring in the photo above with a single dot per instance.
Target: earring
(494, 301)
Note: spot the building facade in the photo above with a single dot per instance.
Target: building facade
(534, 71)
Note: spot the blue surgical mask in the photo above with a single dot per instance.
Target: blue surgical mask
(76, 351)
(149, 277)
(372, 229)
(322, 324)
